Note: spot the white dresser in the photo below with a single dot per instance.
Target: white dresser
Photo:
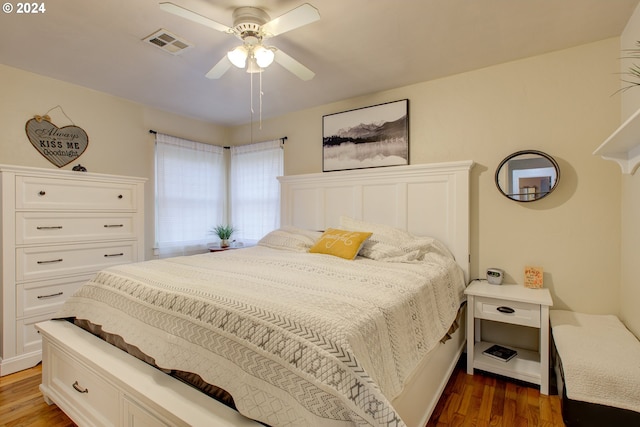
(58, 228)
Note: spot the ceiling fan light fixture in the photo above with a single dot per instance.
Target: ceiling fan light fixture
(238, 56)
(264, 56)
(252, 26)
(253, 67)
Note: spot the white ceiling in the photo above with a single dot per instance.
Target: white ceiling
(358, 47)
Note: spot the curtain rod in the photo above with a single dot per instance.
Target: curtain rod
(283, 138)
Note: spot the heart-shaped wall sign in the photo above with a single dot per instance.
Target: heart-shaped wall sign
(60, 146)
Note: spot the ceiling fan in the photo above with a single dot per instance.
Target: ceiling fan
(253, 26)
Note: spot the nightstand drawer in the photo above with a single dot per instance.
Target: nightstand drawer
(517, 313)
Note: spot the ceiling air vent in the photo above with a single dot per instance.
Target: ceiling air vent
(168, 42)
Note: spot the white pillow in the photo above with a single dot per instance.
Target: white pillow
(290, 238)
(393, 244)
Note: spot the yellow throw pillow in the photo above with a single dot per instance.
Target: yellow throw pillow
(342, 243)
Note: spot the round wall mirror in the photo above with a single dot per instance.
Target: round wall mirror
(526, 176)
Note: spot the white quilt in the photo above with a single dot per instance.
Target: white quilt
(599, 358)
(297, 339)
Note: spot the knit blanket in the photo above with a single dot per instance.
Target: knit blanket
(297, 339)
(600, 359)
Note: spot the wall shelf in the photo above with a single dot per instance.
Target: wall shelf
(623, 146)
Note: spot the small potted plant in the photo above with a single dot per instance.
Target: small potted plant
(224, 232)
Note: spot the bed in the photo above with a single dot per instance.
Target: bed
(299, 338)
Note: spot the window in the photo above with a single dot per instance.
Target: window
(190, 194)
(255, 191)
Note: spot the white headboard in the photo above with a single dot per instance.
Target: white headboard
(426, 200)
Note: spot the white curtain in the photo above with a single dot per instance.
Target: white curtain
(190, 194)
(255, 191)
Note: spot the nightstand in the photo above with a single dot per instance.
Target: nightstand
(219, 249)
(516, 305)
(238, 245)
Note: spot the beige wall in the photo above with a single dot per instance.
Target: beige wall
(559, 103)
(630, 259)
(119, 139)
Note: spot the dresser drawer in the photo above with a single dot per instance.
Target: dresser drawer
(42, 297)
(45, 262)
(517, 313)
(67, 194)
(28, 339)
(87, 393)
(45, 227)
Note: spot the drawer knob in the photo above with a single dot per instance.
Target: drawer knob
(113, 225)
(79, 389)
(504, 309)
(120, 196)
(42, 193)
(53, 227)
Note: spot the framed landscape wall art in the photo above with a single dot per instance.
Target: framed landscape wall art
(367, 137)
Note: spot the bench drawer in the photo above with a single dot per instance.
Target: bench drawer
(89, 394)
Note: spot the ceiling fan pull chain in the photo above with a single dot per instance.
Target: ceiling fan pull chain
(260, 101)
(251, 100)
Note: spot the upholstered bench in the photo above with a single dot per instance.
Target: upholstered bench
(597, 364)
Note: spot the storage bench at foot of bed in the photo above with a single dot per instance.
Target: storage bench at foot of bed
(597, 366)
(96, 384)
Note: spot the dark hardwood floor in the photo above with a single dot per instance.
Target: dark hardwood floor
(479, 400)
(483, 400)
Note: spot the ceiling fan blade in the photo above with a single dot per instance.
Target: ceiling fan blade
(195, 17)
(219, 69)
(293, 66)
(301, 15)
